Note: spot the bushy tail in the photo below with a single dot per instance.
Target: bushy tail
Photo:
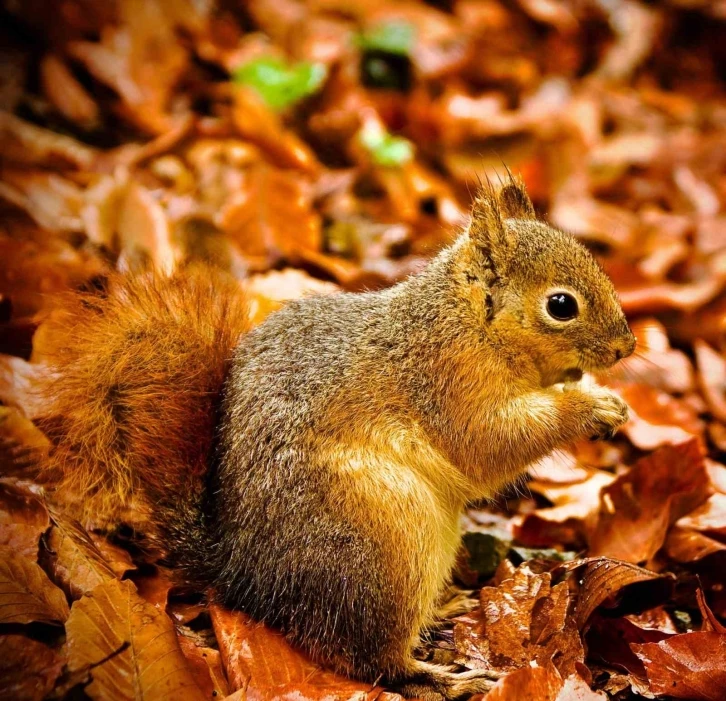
(132, 394)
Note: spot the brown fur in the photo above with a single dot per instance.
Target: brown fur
(353, 429)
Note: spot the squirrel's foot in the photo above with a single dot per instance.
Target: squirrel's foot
(610, 412)
(432, 682)
(453, 602)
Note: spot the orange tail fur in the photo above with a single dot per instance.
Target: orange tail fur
(132, 393)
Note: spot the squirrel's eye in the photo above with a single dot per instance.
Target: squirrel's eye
(562, 306)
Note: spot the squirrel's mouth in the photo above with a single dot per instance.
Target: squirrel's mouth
(571, 375)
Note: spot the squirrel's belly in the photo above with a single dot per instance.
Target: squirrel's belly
(417, 525)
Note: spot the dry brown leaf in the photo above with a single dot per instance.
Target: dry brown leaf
(73, 560)
(205, 663)
(688, 666)
(686, 546)
(711, 377)
(130, 646)
(66, 94)
(257, 123)
(262, 663)
(655, 363)
(27, 144)
(710, 517)
(608, 641)
(155, 587)
(668, 296)
(658, 419)
(23, 519)
(272, 218)
(523, 620)
(28, 668)
(605, 579)
(53, 201)
(37, 266)
(143, 229)
(565, 522)
(543, 683)
(140, 59)
(637, 509)
(16, 382)
(26, 593)
(559, 468)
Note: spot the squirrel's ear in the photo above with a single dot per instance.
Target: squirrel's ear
(514, 203)
(487, 229)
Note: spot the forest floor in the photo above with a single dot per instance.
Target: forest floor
(312, 147)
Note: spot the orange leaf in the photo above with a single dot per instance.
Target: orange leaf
(130, 646)
(26, 593)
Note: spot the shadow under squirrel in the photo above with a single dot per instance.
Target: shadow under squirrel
(314, 469)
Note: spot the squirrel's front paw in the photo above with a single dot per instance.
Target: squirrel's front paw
(610, 412)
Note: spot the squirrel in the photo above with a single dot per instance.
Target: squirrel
(313, 470)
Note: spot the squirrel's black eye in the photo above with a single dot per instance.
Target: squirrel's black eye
(562, 306)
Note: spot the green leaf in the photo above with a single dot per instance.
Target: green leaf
(387, 150)
(279, 84)
(395, 37)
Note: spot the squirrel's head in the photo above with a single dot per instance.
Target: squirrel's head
(539, 290)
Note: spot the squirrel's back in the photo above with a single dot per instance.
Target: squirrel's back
(131, 399)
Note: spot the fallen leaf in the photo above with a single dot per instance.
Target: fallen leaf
(260, 125)
(205, 663)
(66, 93)
(654, 362)
(262, 663)
(637, 509)
(23, 520)
(130, 647)
(25, 143)
(53, 201)
(610, 583)
(143, 229)
(271, 218)
(28, 668)
(686, 546)
(711, 377)
(608, 641)
(73, 560)
(565, 522)
(542, 683)
(522, 620)
(140, 59)
(269, 292)
(687, 666)
(710, 517)
(657, 418)
(155, 587)
(118, 559)
(559, 468)
(26, 593)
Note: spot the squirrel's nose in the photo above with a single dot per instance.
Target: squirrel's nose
(625, 347)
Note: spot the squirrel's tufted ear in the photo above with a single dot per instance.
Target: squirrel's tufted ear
(514, 202)
(487, 228)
